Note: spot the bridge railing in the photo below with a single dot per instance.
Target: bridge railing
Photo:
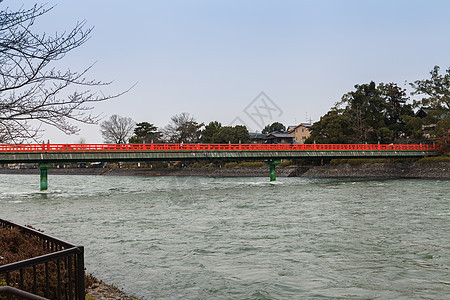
(210, 147)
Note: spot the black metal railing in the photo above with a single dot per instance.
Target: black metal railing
(8, 290)
(56, 275)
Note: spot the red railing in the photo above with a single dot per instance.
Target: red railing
(209, 147)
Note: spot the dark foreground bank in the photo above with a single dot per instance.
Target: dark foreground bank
(435, 170)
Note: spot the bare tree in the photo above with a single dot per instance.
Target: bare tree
(32, 87)
(182, 128)
(117, 130)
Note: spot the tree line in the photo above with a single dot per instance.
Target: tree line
(372, 113)
(182, 128)
(384, 113)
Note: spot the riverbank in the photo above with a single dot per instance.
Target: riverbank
(415, 170)
(434, 170)
(103, 291)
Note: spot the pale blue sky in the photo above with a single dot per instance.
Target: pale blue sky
(212, 58)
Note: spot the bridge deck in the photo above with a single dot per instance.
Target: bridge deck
(48, 153)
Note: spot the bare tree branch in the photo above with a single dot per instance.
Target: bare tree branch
(32, 88)
(182, 128)
(117, 129)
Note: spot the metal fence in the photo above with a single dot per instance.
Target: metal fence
(56, 275)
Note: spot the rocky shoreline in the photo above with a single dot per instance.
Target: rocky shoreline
(105, 291)
(436, 170)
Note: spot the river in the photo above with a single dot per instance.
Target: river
(247, 238)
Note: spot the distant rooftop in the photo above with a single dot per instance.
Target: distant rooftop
(293, 127)
(280, 134)
(257, 135)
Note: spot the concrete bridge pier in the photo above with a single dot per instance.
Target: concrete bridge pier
(44, 180)
(272, 164)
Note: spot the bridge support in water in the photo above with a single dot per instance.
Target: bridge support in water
(44, 180)
(272, 164)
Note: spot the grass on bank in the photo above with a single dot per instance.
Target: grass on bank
(361, 161)
(434, 159)
(255, 164)
(244, 164)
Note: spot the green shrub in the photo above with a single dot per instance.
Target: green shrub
(251, 164)
(404, 160)
(199, 165)
(244, 164)
(358, 161)
(432, 159)
(232, 164)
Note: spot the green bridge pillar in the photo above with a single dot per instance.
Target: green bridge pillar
(44, 180)
(272, 165)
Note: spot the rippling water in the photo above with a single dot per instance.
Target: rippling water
(245, 238)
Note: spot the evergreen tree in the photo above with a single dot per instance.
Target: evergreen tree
(234, 135)
(145, 132)
(333, 128)
(276, 126)
(210, 130)
(369, 114)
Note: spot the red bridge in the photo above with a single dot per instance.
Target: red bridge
(45, 154)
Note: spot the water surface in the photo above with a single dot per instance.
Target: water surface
(245, 238)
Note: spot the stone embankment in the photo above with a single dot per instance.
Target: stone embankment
(440, 170)
(207, 172)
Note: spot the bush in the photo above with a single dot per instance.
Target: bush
(198, 165)
(358, 161)
(244, 164)
(361, 161)
(16, 246)
(433, 159)
(232, 164)
(251, 164)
